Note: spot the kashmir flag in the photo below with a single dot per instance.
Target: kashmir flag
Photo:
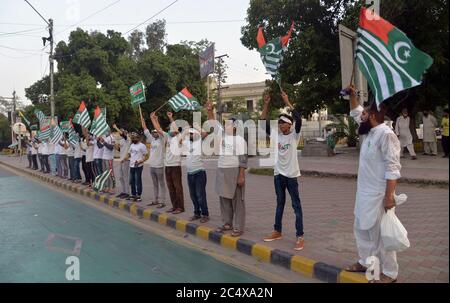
(40, 115)
(100, 180)
(387, 57)
(24, 119)
(45, 129)
(56, 134)
(137, 93)
(82, 116)
(272, 52)
(99, 126)
(184, 101)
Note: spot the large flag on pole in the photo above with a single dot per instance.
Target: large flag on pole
(100, 180)
(184, 101)
(82, 116)
(206, 60)
(99, 126)
(272, 52)
(387, 57)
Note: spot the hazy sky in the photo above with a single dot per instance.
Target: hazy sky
(22, 60)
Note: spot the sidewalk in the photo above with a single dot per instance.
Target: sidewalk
(328, 220)
(425, 169)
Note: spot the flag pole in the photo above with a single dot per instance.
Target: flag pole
(161, 106)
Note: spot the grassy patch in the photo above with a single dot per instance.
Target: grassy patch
(261, 171)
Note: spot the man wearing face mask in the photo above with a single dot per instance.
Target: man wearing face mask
(429, 134)
(404, 133)
(378, 172)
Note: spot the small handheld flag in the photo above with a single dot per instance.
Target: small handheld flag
(184, 101)
(100, 180)
(82, 116)
(99, 126)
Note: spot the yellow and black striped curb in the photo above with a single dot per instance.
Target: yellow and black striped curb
(299, 264)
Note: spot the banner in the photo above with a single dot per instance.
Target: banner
(137, 93)
(65, 126)
(206, 59)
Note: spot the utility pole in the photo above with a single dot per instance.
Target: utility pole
(220, 77)
(50, 39)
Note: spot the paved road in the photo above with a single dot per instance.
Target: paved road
(40, 228)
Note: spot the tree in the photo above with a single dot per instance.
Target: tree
(312, 61)
(155, 35)
(5, 131)
(136, 42)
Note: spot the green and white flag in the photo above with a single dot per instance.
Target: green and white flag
(40, 115)
(387, 57)
(24, 119)
(74, 139)
(184, 101)
(100, 180)
(56, 135)
(82, 116)
(45, 128)
(272, 51)
(99, 126)
(65, 126)
(137, 93)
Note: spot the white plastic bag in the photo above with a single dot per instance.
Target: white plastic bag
(393, 233)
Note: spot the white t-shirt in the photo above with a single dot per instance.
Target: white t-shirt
(286, 160)
(108, 154)
(50, 148)
(124, 147)
(193, 152)
(137, 153)
(77, 151)
(44, 150)
(173, 151)
(98, 152)
(70, 151)
(231, 148)
(156, 159)
(33, 150)
(40, 146)
(90, 152)
(57, 149)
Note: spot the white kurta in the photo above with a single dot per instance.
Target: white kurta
(429, 126)
(402, 130)
(379, 160)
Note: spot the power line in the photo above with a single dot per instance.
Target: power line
(91, 15)
(165, 8)
(39, 29)
(22, 50)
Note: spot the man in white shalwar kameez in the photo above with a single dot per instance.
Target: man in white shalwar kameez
(404, 134)
(379, 170)
(429, 134)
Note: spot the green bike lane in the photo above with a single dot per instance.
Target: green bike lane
(40, 228)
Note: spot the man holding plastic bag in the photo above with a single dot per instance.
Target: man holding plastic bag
(379, 169)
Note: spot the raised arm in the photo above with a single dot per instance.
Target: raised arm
(156, 125)
(295, 114)
(210, 110)
(266, 105)
(117, 129)
(354, 103)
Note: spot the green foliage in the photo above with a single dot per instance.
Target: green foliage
(312, 60)
(5, 131)
(345, 128)
(99, 69)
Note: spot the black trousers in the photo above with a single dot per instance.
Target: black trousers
(46, 164)
(445, 144)
(35, 164)
(84, 168)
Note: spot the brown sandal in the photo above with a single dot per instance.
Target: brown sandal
(237, 233)
(357, 267)
(224, 228)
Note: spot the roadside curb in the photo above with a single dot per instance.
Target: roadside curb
(296, 263)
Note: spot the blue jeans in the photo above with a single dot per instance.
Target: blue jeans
(136, 180)
(52, 160)
(71, 167)
(197, 191)
(76, 166)
(98, 167)
(281, 184)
